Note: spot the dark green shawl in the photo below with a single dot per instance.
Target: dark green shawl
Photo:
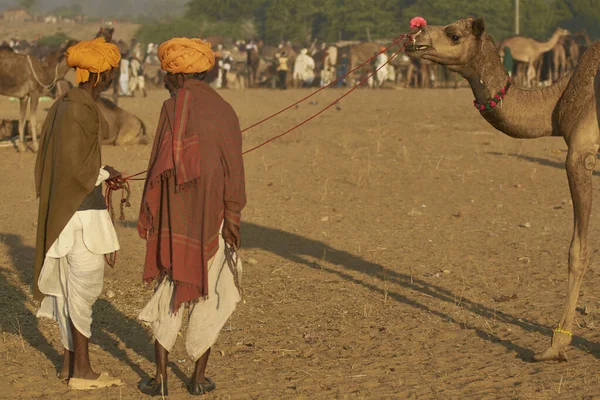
(67, 167)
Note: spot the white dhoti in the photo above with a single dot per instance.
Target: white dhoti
(73, 272)
(137, 82)
(124, 85)
(206, 318)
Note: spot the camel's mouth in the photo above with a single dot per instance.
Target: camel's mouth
(415, 48)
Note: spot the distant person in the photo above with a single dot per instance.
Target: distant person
(304, 69)
(124, 78)
(382, 72)
(137, 79)
(227, 66)
(282, 69)
(190, 214)
(342, 69)
(74, 229)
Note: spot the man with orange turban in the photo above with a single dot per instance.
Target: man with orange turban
(74, 229)
(190, 213)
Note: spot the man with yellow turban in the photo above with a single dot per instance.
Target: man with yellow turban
(74, 229)
(190, 213)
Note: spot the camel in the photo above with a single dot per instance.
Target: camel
(569, 108)
(27, 78)
(528, 50)
(124, 128)
(559, 59)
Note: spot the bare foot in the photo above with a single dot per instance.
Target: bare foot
(35, 147)
(89, 374)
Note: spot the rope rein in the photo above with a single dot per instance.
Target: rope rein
(111, 186)
(50, 86)
(122, 183)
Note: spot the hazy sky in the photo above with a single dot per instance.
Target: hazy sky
(111, 7)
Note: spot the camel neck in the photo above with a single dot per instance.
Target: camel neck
(547, 46)
(524, 114)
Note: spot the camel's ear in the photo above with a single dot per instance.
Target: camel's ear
(478, 27)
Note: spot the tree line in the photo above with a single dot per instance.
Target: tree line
(303, 21)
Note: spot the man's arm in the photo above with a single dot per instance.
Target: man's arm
(234, 194)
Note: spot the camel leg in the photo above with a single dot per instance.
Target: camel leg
(410, 74)
(35, 99)
(581, 161)
(22, 118)
(531, 74)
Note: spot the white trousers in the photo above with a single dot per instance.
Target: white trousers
(72, 285)
(206, 318)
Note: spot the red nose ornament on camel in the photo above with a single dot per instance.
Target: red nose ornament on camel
(418, 23)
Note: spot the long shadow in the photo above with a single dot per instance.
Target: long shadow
(295, 248)
(538, 160)
(13, 302)
(108, 320)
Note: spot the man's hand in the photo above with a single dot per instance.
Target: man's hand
(113, 173)
(231, 234)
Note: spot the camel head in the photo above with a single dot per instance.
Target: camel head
(458, 46)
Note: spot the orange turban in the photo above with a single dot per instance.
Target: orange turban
(94, 56)
(187, 56)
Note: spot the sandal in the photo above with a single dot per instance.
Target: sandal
(197, 389)
(153, 388)
(104, 380)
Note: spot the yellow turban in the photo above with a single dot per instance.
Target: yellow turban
(187, 56)
(94, 56)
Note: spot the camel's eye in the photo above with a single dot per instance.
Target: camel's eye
(455, 38)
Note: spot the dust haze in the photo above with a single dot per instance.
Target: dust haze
(111, 8)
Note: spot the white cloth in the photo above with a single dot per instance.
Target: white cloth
(124, 78)
(136, 81)
(304, 67)
(73, 270)
(206, 318)
(382, 74)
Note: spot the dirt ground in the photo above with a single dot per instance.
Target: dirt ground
(398, 248)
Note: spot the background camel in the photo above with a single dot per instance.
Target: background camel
(570, 108)
(27, 78)
(528, 50)
(124, 128)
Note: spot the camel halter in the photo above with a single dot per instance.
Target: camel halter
(51, 85)
(494, 101)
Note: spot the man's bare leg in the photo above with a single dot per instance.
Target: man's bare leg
(200, 383)
(199, 375)
(81, 358)
(161, 356)
(157, 386)
(67, 368)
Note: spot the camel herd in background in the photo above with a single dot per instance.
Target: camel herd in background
(541, 63)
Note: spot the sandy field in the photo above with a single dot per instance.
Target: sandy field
(32, 30)
(399, 248)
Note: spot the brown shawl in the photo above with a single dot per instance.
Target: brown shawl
(67, 167)
(195, 179)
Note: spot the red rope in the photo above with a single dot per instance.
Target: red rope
(330, 105)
